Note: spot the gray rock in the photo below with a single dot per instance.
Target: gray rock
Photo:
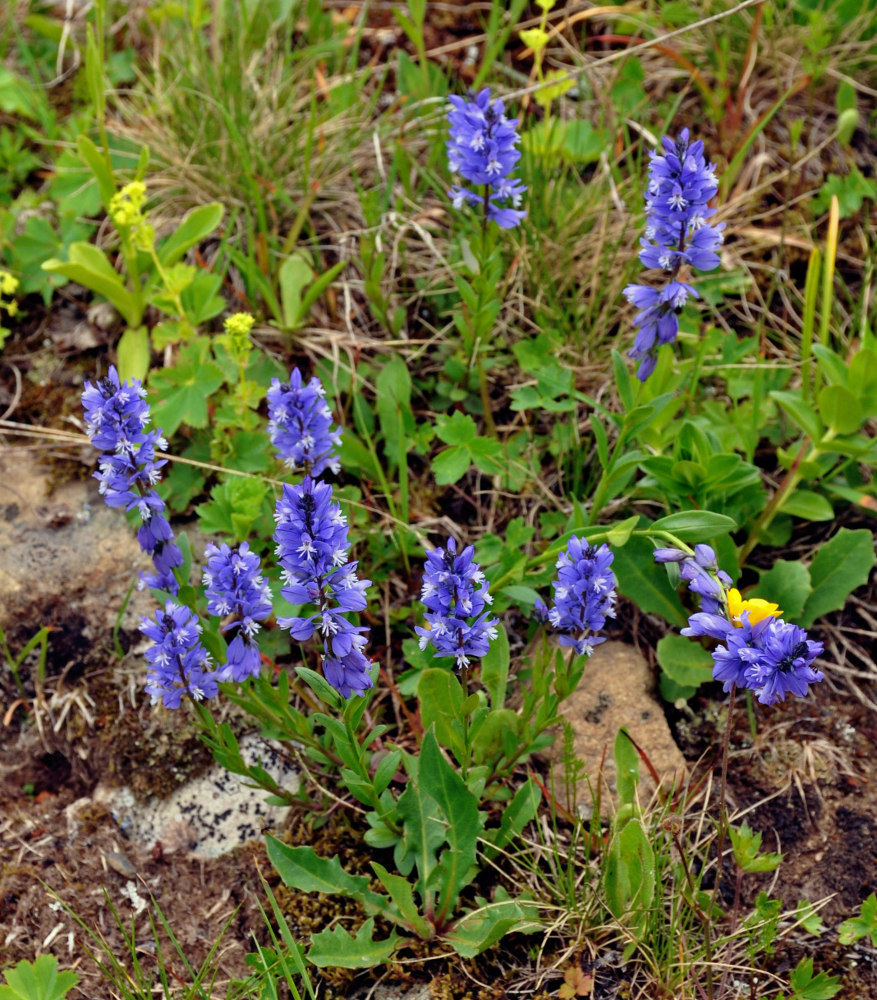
(209, 815)
(617, 690)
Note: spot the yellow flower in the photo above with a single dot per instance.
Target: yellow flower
(8, 284)
(126, 205)
(757, 608)
(239, 324)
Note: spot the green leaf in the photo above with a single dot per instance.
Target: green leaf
(423, 834)
(195, 227)
(862, 926)
(684, 661)
(320, 686)
(839, 409)
(810, 987)
(619, 534)
(801, 413)
(303, 869)
(626, 767)
(97, 164)
(863, 379)
(132, 353)
(451, 464)
(641, 581)
(481, 928)
(39, 980)
(695, 525)
(89, 266)
(460, 428)
(841, 565)
(495, 668)
(747, 848)
(401, 892)
(338, 949)
(181, 392)
(460, 808)
(440, 697)
(233, 508)
(293, 276)
(786, 584)
(516, 815)
(809, 505)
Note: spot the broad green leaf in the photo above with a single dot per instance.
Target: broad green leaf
(864, 925)
(89, 266)
(695, 525)
(839, 409)
(495, 668)
(440, 697)
(863, 380)
(498, 732)
(786, 584)
(516, 815)
(39, 980)
(809, 987)
(801, 413)
(618, 534)
(626, 767)
(303, 869)
(841, 565)
(233, 508)
(293, 276)
(460, 808)
(644, 583)
(338, 949)
(833, 367)
(809, 505)
(195, 227)
(132, 353)
(422, 835)
(684, 660)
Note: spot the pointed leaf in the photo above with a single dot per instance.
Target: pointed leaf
(338, 949)
(841, 565)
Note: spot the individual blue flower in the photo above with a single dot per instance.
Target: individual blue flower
(239, 595)
(116, 415)
(482, 148)
(456, 594)
(300, 425)
(312, 549)
(584, 595)
(681, 183)
(784, 666)
(178, 663)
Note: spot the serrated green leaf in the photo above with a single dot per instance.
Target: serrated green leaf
(841, 565)
(459, 428)
(810, 987)
(401, 892)
(303, 869)
(181, 392)
(786, 584)
(39, 980)
(684, 661)
(338, 949)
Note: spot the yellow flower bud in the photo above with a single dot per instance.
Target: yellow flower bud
(534, 38)
(239, 324)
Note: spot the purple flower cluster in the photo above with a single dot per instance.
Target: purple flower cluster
(115, 419)
(455, 592)
(238, 594)
(300, 425)
(312, 548)
(584, 595)
(178, 663)
(681, 183)
(760, 651)
(482, 147)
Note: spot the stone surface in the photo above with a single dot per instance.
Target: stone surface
(617, 690)
(209, 815)
(66, 561)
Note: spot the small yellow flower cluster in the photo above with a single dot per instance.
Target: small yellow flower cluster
(239, 324)
(126, 211)
(8, 288)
